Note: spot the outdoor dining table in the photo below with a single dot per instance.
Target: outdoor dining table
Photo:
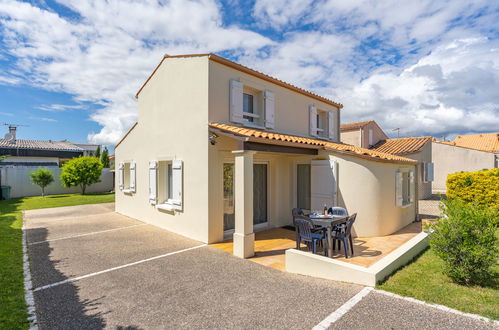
(328, 222)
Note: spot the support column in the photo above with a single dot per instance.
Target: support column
(244, 238)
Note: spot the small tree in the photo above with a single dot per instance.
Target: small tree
(42, 177)
(82, 171)
(97, 152)
(105, 158)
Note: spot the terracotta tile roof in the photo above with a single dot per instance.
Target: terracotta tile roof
(353, 126)
(400, 146)
(39, 145)
(250, 71)
(339, 147)
(485, 142)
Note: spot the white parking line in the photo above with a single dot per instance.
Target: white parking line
(28, 284)
(115, 268)
(87, 234)
(337, 314)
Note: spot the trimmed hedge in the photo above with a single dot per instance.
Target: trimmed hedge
(480, 188)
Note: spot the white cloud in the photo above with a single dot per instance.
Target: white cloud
(60, 107)
(52, 120)
(279, 13)
(452, 90)
(105, 54)
(424, 66)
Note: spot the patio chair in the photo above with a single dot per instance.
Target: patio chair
(337, 211)
(296, 212)
(305, 229)
(343, 233)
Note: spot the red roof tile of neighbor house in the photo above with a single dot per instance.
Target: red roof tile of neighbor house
(406, 145)
(338, 147)
(39, 145)
(484, 142)
(354, 126)
(250, 71)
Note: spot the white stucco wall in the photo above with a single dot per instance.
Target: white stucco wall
(368, 188)
(422, 156)
(291, 108)
(173, 124)
(451, 159)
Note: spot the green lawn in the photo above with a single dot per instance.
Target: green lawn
(423, 279)
(12, 306)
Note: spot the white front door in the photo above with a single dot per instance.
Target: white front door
(323, 184)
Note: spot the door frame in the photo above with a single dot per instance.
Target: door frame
(261, 226)
(295, 179)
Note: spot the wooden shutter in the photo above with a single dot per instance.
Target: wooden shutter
(313, 120)
(323, 183)
(153, 185)
(399, 182)
(132, 176)
(371, 137)
(412, 186)
(236, 101)
(121, 174)
(331, 125)
(269, 109)
(177, 171)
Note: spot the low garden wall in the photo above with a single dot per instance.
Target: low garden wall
(18, 178)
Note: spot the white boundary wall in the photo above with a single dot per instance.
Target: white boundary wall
(18, 178)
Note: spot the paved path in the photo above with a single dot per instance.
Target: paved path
(93, 268)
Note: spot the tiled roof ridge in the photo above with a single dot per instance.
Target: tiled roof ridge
(246, 69)
(39, 145)
(340, 147)
(355, 125)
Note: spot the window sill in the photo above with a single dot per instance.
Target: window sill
(168, 207)
(128, 191)
(252, 125)
(406, 205)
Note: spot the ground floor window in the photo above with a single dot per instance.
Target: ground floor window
(405, 189)
(164, 181)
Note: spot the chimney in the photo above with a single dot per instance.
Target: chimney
(11, 136)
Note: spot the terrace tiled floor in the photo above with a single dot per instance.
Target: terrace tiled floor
(270, 246)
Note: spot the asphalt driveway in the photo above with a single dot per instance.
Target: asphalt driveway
(93, 268)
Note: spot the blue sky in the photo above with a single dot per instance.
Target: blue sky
(70, 69)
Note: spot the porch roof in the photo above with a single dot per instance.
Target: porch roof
(273, 137)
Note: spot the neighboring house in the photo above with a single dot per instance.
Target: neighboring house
(364, 134)
(40, 153)
(484, 142)
(449, 158)
(221, 149)
(419, 149)
(89, 149)
(111, 161)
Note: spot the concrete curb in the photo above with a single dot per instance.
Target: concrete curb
(28, 285)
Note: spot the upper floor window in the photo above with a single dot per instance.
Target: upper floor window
(251, 106)
(251, 109)
(322, 123)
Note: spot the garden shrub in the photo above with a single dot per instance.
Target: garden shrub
(479, 188)
(465, 239)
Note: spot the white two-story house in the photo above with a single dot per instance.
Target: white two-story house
(221, 150)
